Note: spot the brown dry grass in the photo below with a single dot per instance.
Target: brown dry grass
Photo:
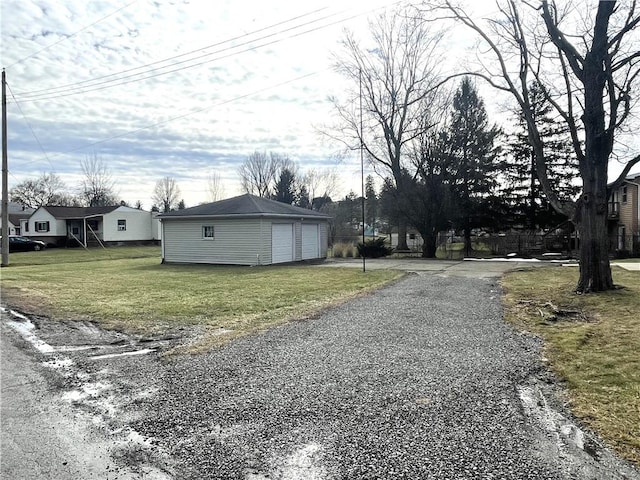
(592, 343)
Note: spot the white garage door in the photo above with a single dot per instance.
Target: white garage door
(310, 242)
(281, 242)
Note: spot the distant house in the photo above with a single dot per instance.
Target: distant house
(16, 213)
(624, 215)
(85, 226)
(244, 230)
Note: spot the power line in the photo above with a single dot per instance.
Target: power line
(230, 54)
(65, 92)
(74, 89)
(192, 112)
(70, 85)
(73, 34)
(29, 125)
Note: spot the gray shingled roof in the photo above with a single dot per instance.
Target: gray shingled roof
(79, 212)
(246, 206)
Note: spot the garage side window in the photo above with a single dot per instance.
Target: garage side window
(42, 226)
(207, 232)
(122, 225)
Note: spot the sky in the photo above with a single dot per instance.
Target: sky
(178, 88)
(182, 88)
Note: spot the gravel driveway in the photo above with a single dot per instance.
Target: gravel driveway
(419, 380)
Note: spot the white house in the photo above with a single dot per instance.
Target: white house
(244, 230)
(67, 226)
(17, 213)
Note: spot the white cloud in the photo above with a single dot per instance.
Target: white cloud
(261, 84)
(243, 97)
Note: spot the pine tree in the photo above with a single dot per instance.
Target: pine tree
(473, 160)
(527, 204)
(303, 198)
(371, 202)
(285, 188)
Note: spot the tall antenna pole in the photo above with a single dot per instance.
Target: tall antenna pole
(364, 261)
(5, 175)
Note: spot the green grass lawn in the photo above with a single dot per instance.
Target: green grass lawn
(128, 289)
(592, 343)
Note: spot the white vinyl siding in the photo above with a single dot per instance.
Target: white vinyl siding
(137, 225)
(56, 227)
(237, 242)
(282, 242)
(324, 239)
(247, 241)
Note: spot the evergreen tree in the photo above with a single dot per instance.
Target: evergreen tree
(473, 160)
(371, 202)
(528, 207)
(285, 188)
(303, 198)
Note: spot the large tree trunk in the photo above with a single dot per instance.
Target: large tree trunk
(591, 216)
(468, 247)
(402, 235)
(429, 245)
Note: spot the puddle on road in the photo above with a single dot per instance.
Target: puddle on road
(25, 328)
(99, 399)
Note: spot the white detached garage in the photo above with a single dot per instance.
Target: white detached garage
(244, 230)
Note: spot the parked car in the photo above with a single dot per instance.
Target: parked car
(24, 244)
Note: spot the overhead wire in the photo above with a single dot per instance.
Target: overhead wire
(231, 54)
(137, 76)
(77, 88)
(192, 112)
(29, 125)
(140, 67)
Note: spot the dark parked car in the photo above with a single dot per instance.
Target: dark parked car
(24, 244)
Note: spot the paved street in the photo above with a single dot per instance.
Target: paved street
(420, 380)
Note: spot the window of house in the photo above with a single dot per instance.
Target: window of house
(207, 231)
(122, 225)
(624, 194)
(26, 226)
(75, 230)
(42, 226)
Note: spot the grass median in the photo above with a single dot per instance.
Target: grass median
(128, 289)
(591, 341)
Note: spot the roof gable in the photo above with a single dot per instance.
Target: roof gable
(244, 205)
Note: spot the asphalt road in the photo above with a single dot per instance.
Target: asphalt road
(421, 380)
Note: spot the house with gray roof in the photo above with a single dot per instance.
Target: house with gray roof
(243, 230)
(86, 226)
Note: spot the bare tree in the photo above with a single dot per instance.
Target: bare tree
(320, 183)
(47, 189)
(395, 81)
(166, 194)
(260, 171)
(97, 188)
(587, 59)
(215, 188)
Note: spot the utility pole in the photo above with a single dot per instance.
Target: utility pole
(364, 261)
(5, 176)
